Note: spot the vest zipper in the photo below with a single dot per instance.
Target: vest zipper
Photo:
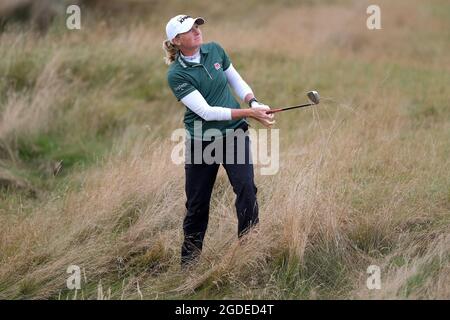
(197, 65)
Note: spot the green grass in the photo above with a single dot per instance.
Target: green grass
(426, 271)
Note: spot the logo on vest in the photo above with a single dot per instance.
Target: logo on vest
(181, 86)
(217, 65)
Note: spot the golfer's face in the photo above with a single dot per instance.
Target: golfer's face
(192, 38)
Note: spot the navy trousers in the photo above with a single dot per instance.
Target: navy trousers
(200, 179)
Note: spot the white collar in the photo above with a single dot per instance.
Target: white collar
(195, 57)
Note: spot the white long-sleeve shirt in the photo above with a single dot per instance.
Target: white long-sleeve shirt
(197, 103)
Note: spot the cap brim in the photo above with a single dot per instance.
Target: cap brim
(199, 20)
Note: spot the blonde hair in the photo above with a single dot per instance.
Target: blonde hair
(171, 51)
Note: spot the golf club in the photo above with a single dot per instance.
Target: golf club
(313, 96)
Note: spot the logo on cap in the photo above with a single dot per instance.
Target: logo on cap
(181, 19)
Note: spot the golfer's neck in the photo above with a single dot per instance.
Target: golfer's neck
(189, 52)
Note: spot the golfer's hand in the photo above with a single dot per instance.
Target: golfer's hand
(259, 113)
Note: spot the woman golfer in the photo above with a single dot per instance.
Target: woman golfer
(199, 74)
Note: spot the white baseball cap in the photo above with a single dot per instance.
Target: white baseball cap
(181, 23)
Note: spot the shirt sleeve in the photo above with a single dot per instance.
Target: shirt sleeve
(180, 86)
(197, 103)
(225, 58)
(237, 83)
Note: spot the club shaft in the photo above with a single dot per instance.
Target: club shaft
(289, 108)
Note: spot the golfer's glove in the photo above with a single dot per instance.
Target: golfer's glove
(256, 104)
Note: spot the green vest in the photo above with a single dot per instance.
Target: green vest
(209, 79)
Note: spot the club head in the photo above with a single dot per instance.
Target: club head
(314, 97)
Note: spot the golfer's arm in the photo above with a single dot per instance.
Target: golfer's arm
(248, 97)
(197, 103)
(240, 87)
(241, 113)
